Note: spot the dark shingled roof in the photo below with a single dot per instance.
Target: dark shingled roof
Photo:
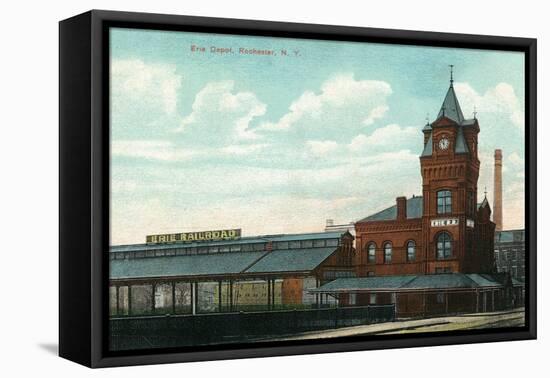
(410, 282)
(414, 210)
(428, 148)
(461, 147)
(451, 108)
(509, 236)
(362, 283)
(291, 260)
(189, 265)
(439, 281)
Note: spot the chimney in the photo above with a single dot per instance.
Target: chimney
(497, 198)
(401, 208)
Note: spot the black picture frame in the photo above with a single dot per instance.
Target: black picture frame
(84, 185)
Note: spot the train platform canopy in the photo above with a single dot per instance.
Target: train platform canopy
(448, 281)
(246, 264)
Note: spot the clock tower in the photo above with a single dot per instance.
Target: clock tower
(450, 169)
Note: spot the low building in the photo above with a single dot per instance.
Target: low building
(426, 295)
(510, 253)
(248, 273)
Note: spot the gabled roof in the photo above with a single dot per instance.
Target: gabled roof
(483, 203)
(414, 210)
(218, 264)
(291, 260)
(451, 108)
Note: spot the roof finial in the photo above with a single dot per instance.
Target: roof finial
(475, 112)
(452, 80)
(427, 118)
(485, 192)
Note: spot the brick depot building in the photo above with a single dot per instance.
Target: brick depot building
(444, 230)
(432, 253)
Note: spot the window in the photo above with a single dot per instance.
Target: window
(444, 202)
(370, 274)
(281, 245)
(319, 243)
(259, 247)
(471, 203)
(440, 298)
(411, 251)
(444, 246)
(307, 244)
(372, 299)
(332, 242)
(371, 252)
(294, 244)
(387, 253)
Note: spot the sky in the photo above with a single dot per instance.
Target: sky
(224, 138)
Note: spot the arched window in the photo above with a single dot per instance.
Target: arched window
(444, 202)
(444, 250)
(411, 250)
(387, 253)
(371, 253)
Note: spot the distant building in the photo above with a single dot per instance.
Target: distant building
(510, 253)
(331, 227)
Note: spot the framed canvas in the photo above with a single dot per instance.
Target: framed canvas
(234, 188)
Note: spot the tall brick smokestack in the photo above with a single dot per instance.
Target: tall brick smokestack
(497, 204)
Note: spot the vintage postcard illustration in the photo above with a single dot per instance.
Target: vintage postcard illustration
(266, 189)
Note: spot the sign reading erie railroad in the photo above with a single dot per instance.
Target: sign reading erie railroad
(188, 237)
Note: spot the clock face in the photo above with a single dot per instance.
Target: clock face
(443, 143)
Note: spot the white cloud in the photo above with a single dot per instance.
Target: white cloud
(376, 113)
(216, 108)
(339, 92)
(389, 136)
(321, 147)
(134, 81)
(243, 149)
(501, 100)
(151, 150)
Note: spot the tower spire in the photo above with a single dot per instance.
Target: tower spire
(450, 107)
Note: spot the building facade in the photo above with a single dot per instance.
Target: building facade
(445, 230)
(510, 253)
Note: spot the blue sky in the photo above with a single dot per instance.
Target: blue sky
(271, 144)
